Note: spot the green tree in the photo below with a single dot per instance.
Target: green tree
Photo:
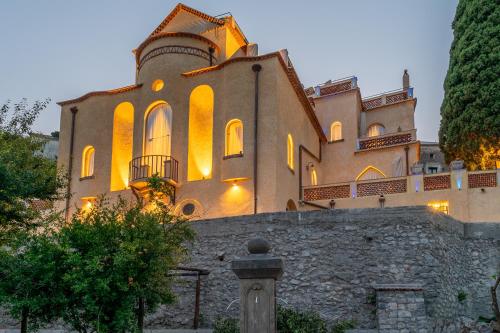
(25, 175)
(31, 280)
(470, 113)
(118, 262)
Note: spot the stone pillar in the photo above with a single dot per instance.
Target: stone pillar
(401, 308)
(258, 273)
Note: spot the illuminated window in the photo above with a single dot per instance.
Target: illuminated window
(157, 85)
(234, 137)
(336, 131)
(121, 154)
(440, 206)
(158, 129)
(289, 147)
(497, 164)
(376, 130)
(201, 119)
(88, 161)
(314, 177)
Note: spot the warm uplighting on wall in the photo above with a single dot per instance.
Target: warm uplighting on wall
(157, 85)
(87, 203)
(121, 154)
(440, 206)
(232, 45)
(201, 109)
(370, 172)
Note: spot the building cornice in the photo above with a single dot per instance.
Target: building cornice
(292, 77)
(100, 93)
(156, 37)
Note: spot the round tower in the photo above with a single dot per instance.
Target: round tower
(169, 54)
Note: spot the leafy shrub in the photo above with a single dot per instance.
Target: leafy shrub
(343, 325)
(227, 325)
(290, 321)
(293, 321)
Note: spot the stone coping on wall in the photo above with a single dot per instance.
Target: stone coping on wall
(398, 287)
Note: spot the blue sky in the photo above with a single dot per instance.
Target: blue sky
(65, 48)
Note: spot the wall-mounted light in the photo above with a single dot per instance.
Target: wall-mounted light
(381, 201)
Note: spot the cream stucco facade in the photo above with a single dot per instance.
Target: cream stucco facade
(196, 77)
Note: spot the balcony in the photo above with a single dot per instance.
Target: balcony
(143, 167)
(387, 140)
(390, 97)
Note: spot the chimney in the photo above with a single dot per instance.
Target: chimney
(406, 80)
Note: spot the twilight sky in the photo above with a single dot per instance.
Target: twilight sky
(63, 49)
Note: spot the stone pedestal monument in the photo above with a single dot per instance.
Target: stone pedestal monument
(258, 273)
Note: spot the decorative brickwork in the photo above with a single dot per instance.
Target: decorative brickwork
(432, 183)
(384, 141)
(373, 103)
(309, 91)
(335, 88)
(382, 187)
(477, 180)
(390, 99)
(327, 192)
(178, 49)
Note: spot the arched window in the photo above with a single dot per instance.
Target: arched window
(234, 137)
(201, 120)
(289, 147)
(88, 161)
(336, 131)
(291, 206)
(376, 130)
(121, 154)
(314, 177)
(370, 172)
(158, 129)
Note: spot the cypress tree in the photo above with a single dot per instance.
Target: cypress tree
(470, 113)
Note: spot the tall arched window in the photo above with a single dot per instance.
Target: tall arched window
(158, 131)
(234, 137)
(314, 177)
(336, 131)
(376, 130)
(121, 154)
(289, 150)
(201, 120)
(88, 161)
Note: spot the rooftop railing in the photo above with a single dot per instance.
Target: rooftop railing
(387, 98)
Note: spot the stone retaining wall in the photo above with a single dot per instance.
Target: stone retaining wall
(333, 259)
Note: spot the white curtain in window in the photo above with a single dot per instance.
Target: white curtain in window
(158, 131)
(235, 138)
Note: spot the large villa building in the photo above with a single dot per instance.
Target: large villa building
(234, 132)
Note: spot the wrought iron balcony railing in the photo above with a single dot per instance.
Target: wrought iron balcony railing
(143, 167)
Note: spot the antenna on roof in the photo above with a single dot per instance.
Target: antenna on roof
(223, 14)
